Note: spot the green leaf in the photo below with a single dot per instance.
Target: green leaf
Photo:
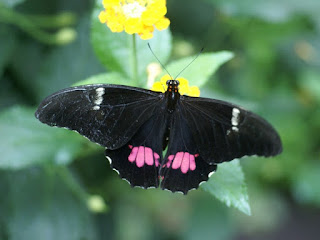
(115, 49)
(228, 185)
(43, 205)
(25, 141)
(106, 78)
(199, 72)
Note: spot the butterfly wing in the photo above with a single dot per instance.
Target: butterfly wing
(205, 132)
(183, 167)
(223, 131)
(106, 114)
(138, 161)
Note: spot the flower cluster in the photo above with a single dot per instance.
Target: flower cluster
(184, 88)
(135, 16)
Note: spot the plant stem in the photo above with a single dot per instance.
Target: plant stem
(134, 61)
(72, 184)
(26, 24)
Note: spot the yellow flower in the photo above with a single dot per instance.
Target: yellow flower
(184, 88)
(135, 16)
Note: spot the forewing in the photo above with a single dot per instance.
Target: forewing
(184, 167)
(106, 114)
(138, 161)
(223, 131)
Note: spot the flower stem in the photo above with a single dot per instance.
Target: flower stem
(29, 25)
(134, 61)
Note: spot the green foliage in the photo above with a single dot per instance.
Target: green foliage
(272, 10)
(7, 46)
(201, 70)
(51, 210)
(310, 83)
(10, 3)
(49, 76)
(228, 185)
(105, 78)
(25, 142)
(306, 184)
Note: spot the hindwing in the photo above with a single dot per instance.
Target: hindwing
(139, 160)
(184, 167)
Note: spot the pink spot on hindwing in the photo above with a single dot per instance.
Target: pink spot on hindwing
(177, 160)
(170, 158)
(156, 158)
(140, 157)
(183, 160)
(148, 155)
(133, 154)
(143, 155)
(192, 162)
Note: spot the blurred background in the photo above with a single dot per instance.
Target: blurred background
(275, 72)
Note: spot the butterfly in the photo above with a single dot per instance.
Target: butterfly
(160, 139)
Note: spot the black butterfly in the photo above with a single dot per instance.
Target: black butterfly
(136, 125)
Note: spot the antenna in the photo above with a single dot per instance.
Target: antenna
(190, 62)
(159, 61)
(182, 69)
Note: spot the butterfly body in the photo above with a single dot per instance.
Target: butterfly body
(136, 125)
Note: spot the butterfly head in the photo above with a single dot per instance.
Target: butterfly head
(172, 82)
(181, 85)
(173, 85)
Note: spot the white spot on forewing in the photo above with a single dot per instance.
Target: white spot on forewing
(98, 98)
(236, 129)
(99, 95)
(235, 116)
